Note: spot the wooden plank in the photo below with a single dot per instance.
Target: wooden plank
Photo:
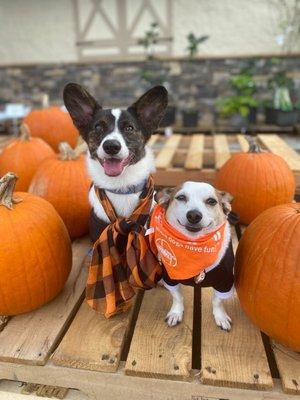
(222, 152)
(31, 337)
(92, 341)
(194, 158)
(102, 385)
(164, 157)
(176, 176)
(157, 350)
(288, 363)
(153, 140)
(243, 143)
(234, 359)
(278, 146)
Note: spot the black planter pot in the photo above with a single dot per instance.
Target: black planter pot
(270, 116)
(190, 118)
(281, 118)
(238, 121)
(169, 117)
(252, 115)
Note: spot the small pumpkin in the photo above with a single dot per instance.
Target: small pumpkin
(53, 125)
(64, 182)
(268, 275)
(35, 248)
(23, 156)
(257, 181)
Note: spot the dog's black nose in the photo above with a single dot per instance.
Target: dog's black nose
(194, 216)
(112, 147)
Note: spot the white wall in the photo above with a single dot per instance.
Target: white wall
(43, 31)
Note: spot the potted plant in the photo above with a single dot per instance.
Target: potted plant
(193, 44)
(155, 76)
(241, 106)
(190, 114)
(282, 111)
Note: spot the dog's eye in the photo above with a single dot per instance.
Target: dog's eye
(99, 127)
(181, 197)
(128, 129)
(211, 201)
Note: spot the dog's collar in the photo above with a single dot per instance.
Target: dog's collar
(129, 189)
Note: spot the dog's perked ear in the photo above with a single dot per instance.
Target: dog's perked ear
(81, 105)
(150, 109)
(225, 200)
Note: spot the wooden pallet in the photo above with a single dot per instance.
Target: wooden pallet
(198, 157)
(136, 356)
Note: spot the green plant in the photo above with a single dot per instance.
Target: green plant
(244, 87)
(193, 44)
(281, 85)
(150, 39)
(229, 106)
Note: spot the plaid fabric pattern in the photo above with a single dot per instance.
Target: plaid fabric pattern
(122, 259)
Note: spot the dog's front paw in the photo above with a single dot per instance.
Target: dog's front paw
(174, 317)
(222, 319)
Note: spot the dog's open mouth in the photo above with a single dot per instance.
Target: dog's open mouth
(115, 166)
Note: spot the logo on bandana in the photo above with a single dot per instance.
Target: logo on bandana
(166, 252)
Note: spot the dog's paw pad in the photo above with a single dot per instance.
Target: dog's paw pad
(223, 321)
(174, 318)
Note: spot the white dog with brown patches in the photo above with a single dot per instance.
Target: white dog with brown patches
(191, 235)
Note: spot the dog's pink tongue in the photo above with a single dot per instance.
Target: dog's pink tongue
(113, 166)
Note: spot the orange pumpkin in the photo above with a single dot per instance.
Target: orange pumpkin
(35, 250)
(257, 181)
(268, 275)
(23, 156)
(53, 125)
(64, 182)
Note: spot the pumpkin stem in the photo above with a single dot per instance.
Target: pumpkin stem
(66, 152)
(7, 187)
(254, 147)
(24, 132)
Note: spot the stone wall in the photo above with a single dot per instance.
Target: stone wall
(198, 83)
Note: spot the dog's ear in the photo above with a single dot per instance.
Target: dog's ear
(225, 200)
(150, 108)
(163, 197)
(81, 105)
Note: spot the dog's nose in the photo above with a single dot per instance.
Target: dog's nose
(194, 216)
(112, 147)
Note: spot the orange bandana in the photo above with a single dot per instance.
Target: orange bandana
(182, 257)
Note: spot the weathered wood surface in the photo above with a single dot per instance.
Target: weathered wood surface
(164, 157)
(156, 349)
(236, 358)
(93, 341)
(31, 337)
(194, 158)
(288, 363)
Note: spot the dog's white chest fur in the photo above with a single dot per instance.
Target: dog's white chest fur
(123, 204)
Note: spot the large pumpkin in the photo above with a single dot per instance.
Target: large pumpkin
(23, 156)
(267, 273)
(53, 125)
(64, 182)
(257, 181)
(35, 250)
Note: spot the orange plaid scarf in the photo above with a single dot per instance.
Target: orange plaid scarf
(122, 258)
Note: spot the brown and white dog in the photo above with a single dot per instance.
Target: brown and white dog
(196, 210)
(118, 157)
